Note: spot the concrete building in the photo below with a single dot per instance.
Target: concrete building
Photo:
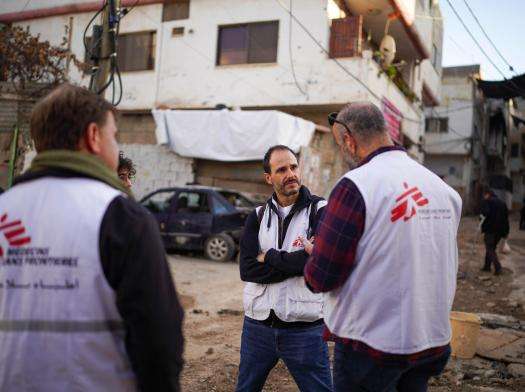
(475, 137)
(517, 154)
(453, 131)
(252, 54)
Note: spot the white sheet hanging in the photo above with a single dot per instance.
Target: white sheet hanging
(225, 135)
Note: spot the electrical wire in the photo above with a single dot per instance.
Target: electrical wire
(84, 36)
(511, 68)
(516, 88)
(25, 6)
(305, 29)
(254, 86)
(291, 55)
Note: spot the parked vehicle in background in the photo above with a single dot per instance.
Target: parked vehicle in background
(243, 202)
(197, 218)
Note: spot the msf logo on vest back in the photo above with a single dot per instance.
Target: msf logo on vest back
(12, 233)
(408, 203)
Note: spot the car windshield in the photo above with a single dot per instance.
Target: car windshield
(237, 200)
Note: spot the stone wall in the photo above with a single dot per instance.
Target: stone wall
(157, 167)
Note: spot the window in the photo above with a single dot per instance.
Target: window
(346, 37)
(192, 202)
(177, 31)
(248, 44)
(136, 51)
(220, 206)
(514, 150)
(436, 125)
(159, 202)
(175, 10)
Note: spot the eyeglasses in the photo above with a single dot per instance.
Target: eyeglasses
(332, 119)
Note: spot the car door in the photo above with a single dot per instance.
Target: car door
(159, 204)
(192, 218)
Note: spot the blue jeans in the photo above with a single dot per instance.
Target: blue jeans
(356, 371)
(303, 351)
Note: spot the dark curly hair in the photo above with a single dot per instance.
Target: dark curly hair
(126, 164)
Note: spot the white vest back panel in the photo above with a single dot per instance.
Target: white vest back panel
(399, 295)
(60, 329)
(290, 299)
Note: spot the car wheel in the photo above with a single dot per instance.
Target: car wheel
(219, 247)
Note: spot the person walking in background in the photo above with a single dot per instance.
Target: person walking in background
(495, 227)
(87, 301)
(386, 254)
(283, 319)
(126, 170)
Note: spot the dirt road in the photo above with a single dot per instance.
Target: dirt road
(212, 296)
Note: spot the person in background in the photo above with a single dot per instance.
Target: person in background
(126, 170)
(283, 319)
(91, 304)
(386, 256)
(495, 227)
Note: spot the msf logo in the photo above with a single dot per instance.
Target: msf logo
(13, 232)
(407, 203)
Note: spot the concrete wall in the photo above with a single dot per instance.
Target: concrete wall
(186, 75)
(454, 170)
(157, 167)
(456, 104)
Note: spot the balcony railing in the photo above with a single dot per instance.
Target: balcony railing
(346, 40)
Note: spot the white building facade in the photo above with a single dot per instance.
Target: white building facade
(252, 54)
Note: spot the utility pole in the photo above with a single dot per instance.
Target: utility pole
(105, 46)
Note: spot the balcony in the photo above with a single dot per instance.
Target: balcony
(346, 40)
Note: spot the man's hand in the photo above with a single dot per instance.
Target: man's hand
(308, 244)
(261, 256)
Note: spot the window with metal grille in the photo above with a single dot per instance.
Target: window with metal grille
(136, 51)
(346, 37)
(175, 10)
(436, 125)
(248, 43)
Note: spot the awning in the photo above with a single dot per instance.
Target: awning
(233, 136)
(503, 89)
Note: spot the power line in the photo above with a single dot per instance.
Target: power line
(235, 18)
(305, 29)
(461, 49)
(25, 6)
(291, 55)
(487, 36)
(474, 39)
(159, 26)
(516, 88)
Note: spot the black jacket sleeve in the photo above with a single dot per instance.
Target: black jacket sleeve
(252, 270)
(278, 265)
(291, 263)
(135, 266)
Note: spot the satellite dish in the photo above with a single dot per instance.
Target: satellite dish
(388, 49)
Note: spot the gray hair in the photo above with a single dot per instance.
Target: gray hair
(364, 119)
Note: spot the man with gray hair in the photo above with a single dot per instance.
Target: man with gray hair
(386, 255)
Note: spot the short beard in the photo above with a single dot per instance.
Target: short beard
(349, 159)
(289, 193)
